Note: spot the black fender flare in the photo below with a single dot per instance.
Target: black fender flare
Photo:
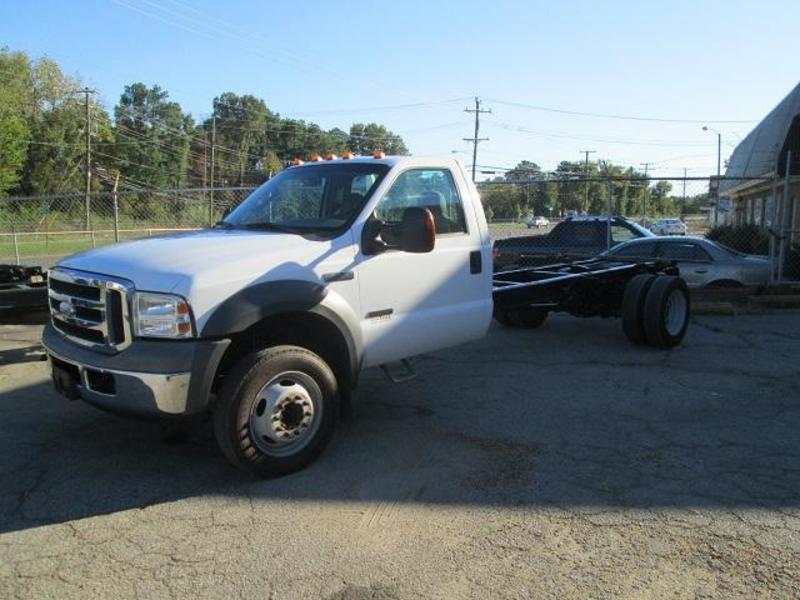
(257, 302)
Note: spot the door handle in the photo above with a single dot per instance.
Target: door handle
(475, 262)
(701, 271)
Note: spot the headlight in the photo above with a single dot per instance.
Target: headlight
(161, 315)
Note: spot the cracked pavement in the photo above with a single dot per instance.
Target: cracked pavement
(561, 462)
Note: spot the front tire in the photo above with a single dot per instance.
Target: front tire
(277, 411)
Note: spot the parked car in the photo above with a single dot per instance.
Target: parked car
(572, 238)
(538, 222)
(669, 227)
(702, 262)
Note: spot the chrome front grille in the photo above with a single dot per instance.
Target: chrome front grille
(91, 310)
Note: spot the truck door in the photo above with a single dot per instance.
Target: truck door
(416, 303)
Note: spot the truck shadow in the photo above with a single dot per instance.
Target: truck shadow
(579, 419)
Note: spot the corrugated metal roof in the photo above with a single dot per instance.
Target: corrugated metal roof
(763, 150)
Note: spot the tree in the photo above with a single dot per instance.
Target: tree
(13, 150)
(152, 137)
(524, 170)
(366, 139)
(15, 104)
(245, 131)
(42, 127)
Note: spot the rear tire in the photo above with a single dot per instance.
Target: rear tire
(666, 312)
(501, 316)
(633, 307)
(527, 318)
(277, 411)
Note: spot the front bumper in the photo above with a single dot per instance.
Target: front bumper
(151, 377)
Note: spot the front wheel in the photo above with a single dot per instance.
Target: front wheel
(276, 411)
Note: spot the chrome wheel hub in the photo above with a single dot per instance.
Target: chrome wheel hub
(675, 312)
(285, 414)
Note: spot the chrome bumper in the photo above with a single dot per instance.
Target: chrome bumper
(133, 392)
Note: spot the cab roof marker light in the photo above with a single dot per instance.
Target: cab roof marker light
(331, 157)
(315, 157)
(348, 155)
(297, 162)
(378, 154)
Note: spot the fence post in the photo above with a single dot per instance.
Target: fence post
(784, 212)
(774, 231)
(115, 200)
(16, 247)
(211, 207)
(94, 243)
(610, 185)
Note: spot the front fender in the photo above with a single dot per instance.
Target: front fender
(262, 300)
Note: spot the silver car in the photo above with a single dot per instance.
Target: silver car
(702, 262)
(669, 227)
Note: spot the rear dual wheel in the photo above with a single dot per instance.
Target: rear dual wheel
(655, 310)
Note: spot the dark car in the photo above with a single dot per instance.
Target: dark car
(573, 238)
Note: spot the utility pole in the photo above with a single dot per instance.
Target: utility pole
(719, 168)
(88, 158)
(475, 140)
(586, 175)
(213, 152)
(646, 166)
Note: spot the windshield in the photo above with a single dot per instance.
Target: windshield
(309, 198)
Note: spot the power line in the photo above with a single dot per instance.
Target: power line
(613, 116)
(475, 140)
(623, 141)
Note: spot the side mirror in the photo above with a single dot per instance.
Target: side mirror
(417, 230)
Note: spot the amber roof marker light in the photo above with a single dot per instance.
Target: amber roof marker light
(379, 154)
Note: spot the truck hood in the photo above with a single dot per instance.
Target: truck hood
(208, 266)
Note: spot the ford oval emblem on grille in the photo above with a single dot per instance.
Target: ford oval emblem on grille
(65, 308)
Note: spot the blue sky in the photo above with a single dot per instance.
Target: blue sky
(415, 66)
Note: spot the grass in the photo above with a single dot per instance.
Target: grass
(57, 245)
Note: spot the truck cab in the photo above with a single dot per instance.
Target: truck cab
(267, 318)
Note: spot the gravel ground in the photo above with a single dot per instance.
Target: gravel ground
(559, 463)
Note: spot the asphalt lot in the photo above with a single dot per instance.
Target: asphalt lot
(561, 462)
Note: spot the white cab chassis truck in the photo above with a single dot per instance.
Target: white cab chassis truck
(266, 319)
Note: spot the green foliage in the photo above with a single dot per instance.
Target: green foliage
(365, 139)
(152, 137)
(13, 133)
(750, 239)
(42, 127)
(153, 142)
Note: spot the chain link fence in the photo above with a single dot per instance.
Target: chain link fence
(38, 230)
(532, 222)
